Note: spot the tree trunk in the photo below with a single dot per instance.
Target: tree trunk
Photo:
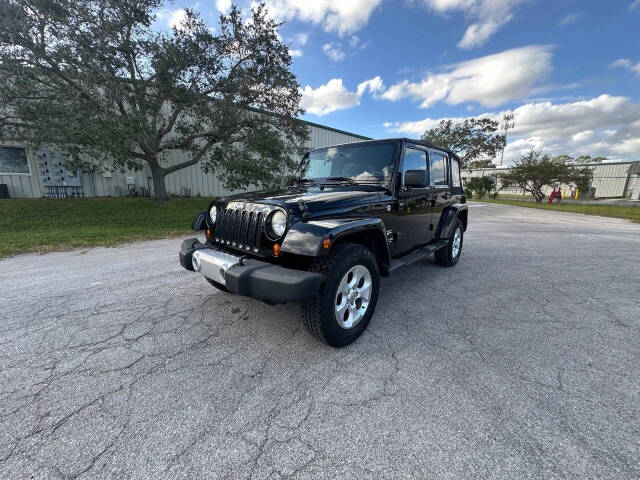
(159, 187)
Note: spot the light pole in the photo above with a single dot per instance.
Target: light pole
(508, 117)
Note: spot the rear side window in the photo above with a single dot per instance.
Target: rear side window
(455, 173)
(438, 168)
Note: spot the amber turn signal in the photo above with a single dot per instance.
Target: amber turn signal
(276, 250)
(326, 243)
(208, 232)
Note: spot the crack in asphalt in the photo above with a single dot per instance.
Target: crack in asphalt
(483, 370)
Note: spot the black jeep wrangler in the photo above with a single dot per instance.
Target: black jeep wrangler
(361, 211)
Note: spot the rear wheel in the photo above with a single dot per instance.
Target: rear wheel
(449, 255)
(344, 307)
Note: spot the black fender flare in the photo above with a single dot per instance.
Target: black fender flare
(201, 221)
(449, 217)
(306, 238)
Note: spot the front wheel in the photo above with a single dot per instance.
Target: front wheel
(343, 308)
(449, 255)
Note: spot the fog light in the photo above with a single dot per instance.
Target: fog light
(276, 250)
(195, 261)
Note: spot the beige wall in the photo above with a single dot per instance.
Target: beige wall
(609, 179)
(115, 184)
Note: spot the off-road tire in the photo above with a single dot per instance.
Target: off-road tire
(445, 256)
(318, 314)
(217, 285)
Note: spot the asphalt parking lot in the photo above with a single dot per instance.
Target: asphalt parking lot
(523, 361)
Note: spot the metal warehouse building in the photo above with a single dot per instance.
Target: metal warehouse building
(28, 174)
(610, 180)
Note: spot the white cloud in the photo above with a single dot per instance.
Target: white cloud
(301, 38)
(223, 6)
(489, 81)
(634, 5)
(488, 16)
(604, 125)
(334, 95)
(333, 51)
(298, 41)
(628, 64)
(569, 19)
(622, 62)
(176, 18)
(354, 41)
(341, 16)
(374, 86)
(328, 98)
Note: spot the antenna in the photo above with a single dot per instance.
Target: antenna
(508, 124)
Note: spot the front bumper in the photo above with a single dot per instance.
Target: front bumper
(249, 277)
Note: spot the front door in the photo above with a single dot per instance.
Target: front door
(439, 191)
(413, 206)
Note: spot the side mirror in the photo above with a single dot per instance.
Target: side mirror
(415, 178)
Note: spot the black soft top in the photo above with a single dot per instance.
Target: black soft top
(426, 143)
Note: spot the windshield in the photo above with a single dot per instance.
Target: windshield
(372, 164)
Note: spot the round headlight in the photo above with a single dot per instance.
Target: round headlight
(278, 223)
(212, 214)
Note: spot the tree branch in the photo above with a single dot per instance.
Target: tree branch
(169, 126)
(196, 158)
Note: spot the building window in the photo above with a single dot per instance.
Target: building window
(13, 160)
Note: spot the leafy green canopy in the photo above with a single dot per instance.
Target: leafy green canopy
(95, 79)
(534, 171)
(481, 185)
(473, 139)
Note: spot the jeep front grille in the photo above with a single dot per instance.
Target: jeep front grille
(239, 229)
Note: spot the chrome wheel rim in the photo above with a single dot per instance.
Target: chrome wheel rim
(352, 297)
(457, 243)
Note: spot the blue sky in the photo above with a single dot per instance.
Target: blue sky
(568, 70)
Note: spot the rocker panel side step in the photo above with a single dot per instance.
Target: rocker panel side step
(417, 255)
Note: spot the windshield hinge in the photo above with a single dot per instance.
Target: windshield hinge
(304, 211)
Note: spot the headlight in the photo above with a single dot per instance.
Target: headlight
(278, 223)
(212, 214)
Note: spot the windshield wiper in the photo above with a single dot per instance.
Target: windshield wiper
(341, 180)
(327, 180)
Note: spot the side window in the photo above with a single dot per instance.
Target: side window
(415, 159)
(455, 173)
(438, 169)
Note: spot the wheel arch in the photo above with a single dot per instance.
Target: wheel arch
(372, 239)
(450, 216)
(306, 238)
(463, 217)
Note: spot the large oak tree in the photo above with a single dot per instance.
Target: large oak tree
(97, 81)
(472, 140)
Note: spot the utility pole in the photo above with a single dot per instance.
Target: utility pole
(508, 117)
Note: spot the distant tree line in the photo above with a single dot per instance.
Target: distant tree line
(477, 141)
